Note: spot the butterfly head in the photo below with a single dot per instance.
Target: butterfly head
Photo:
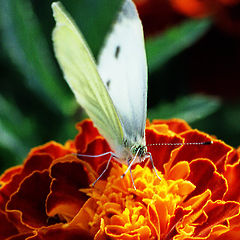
(138, 151)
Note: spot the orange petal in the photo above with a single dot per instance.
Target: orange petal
(85, 216)
(196, 216)
(179, 171)
(118, 232)
(193, 8)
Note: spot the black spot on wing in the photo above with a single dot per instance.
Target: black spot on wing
(117, 51)
(108, 83)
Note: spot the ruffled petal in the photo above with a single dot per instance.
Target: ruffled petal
(204, 176)
(29, 200)
(7, 228)
(217, 152)
(65, 199)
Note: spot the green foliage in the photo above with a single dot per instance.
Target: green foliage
(27, 48)
(167, 45)
(35, 103)
(190, 108)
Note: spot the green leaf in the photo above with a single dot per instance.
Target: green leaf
(26, 45)
(12, 118)
(14, 129)
(190, 108)
(167, 45)
(12, 143)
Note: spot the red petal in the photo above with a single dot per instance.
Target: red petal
(87, 133)
(175, 125)
(20, 236)
(233, 157)
(54, 149)
(216, 152)
(30, 198)
(232, 175)
(96, 147)
(65, 198)
(39, 162)
(9, 173)
(217, 213)
(160, 154)
(204, 176)
(178, 215)
(61, 232)
(7, 228)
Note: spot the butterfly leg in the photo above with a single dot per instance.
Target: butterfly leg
(108, 162)
(130, 170)
(129, 165)
(94, 156)
(151, 159)
(99, 155)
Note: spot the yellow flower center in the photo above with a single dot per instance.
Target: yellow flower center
(124, 210)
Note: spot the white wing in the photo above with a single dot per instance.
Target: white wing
(81, 74)
(123, 69)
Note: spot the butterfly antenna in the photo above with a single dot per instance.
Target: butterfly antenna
(180, 144)
(172, 144)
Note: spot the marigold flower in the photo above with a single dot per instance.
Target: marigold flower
(49, 195)
(157, 15)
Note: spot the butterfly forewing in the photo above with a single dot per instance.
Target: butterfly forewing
(81, 74)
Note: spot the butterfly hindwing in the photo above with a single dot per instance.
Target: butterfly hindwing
(123, 69)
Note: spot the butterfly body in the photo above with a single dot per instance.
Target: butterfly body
(131, 151)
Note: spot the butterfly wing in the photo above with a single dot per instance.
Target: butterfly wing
(123, 69)
(81, 74)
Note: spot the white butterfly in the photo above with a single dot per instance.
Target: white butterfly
(115, 95)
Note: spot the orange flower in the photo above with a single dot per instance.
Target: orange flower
(158, 15)
(49, 197)
(225, 12)
(201, 8)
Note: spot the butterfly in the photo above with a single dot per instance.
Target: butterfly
(114, 92)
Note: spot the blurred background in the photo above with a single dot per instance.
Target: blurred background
(193, 53)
